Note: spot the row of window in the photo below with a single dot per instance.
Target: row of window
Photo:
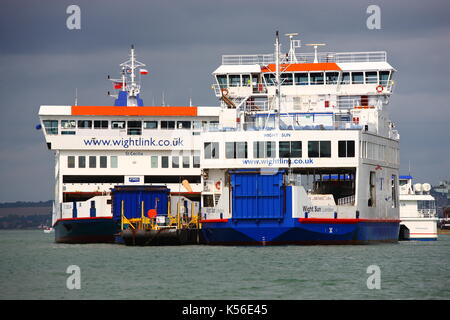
(155, 162)
(92, 162)
(286, 149)
(307, 78)
(319, 78)
(133, 127)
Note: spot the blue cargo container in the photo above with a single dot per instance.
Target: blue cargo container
(133, 197)
(257, 195)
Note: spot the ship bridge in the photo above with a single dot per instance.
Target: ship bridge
(328, 90)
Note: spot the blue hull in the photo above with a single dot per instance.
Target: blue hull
(292, 231)
(85, 230)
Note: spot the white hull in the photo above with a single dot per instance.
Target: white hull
(421, 228)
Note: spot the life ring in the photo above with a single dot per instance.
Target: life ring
(225, 91)
(217, 185)
(379, 88)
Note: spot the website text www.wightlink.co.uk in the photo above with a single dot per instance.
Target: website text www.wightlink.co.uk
(135, 142)
(281, 161)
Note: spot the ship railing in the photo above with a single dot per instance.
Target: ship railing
(350, 102)
(261, 59)
(347, 201)
(269, 125)
(255, 106)
(343, 57)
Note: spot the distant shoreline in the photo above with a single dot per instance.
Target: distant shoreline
(26, 204)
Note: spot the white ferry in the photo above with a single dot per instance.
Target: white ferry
(300, 150)
(417, 211)
(100, 147)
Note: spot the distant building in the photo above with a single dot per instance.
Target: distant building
(441, 193)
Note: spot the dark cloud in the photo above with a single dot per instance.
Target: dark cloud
(42, 62)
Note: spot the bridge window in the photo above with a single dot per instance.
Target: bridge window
(167, 124)
(235, 80)
(100, 124)
(211, 150)
(68, 124)
(246, 82)
(319, 149)
(269, 78)
(357, 78)
(286, 79)
(345, 78)
(84, 124)
(134, 128)
(183, 124)
(301, 79)
(346, 148)
(332, 77)
(222, 80)
(150, 124)
(290, 149)
(117, 124)
(51, 126)
(196, 125)
(316, 78)
(384, 78)
(426, 204)
(371, 77)
(236, 150)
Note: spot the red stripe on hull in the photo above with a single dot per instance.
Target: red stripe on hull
(213, 220)
(82, 218)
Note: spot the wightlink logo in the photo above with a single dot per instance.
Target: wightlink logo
(134, 142)
(276, 162)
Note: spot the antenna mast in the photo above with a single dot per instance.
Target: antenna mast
(277, 80)
(292, 45)
(315, 45)
(129, 67)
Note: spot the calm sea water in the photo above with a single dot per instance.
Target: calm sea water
(32, 266)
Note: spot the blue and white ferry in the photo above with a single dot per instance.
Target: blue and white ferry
(304, 151)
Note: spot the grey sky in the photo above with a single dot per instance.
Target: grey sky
(42, 62)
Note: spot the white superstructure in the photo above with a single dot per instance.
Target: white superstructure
(417, 211)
